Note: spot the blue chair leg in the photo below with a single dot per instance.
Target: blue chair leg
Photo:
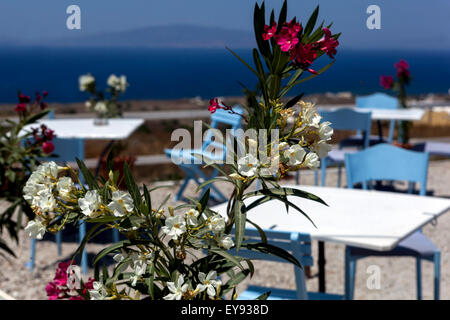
(349, 274)
(115, 235)
(316, 178)
(352, 269)
(297, 177)
(84, 264)
(419, 278)
(181, 190)
(323, 167)
(437, 274)
(30, 264)
(58, 243)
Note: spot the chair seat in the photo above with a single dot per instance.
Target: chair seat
(254, 292)
(416, 245)
(358, 141)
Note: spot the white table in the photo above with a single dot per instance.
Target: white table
(367, 219)
(116, 129)
(410, 114)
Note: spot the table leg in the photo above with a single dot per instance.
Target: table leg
(102, 155)
(321, 262)
(380, 130)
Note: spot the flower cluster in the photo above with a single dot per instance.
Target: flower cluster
(302, 54)
(24, 106)
(399, 86)
(67, 284)
(403, 76)
(311, 138)
(98, 102)
(57, 199)
(43, 136)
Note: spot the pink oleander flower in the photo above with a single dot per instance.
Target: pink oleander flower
(294, 27)
(402, 69)
(213, 105)
(387, 82)
(269, 31)
(48, 147)
(303, 56)
(21, 107)
(328, 44)
(53, 292)
(23, 98)
(286, 39)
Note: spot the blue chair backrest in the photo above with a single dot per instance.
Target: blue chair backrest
(377, 101)
(67, 150)
(349, 119)
(233, 121)
(298, 244)
(386, 162)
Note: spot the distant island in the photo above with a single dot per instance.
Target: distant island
(173, 36)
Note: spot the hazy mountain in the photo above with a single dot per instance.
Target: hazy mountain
(176, 36)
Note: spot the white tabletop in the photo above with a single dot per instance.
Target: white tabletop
(116, 129)
(410, 114)
(368, 219)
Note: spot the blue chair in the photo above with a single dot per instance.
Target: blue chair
(344, 119)
(299, 245)
(188, 160)
(66, 150)
(379, 101)
(386, 162)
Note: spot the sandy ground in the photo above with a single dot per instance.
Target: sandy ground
(397, 274)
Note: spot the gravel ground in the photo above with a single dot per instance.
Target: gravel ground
(17, 281)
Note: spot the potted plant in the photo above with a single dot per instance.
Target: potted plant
(160, 257)
(399, 86)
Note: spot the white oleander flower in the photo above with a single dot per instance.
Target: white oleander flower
(99, 292)
(141, 261)
(85, 81)
(119, 84)
(325, 131)
(312, 160)
(321, 148)
(310, 117)
(65, 186)
(45, 201)
(35, 229)
(32, 188)
(90, 204)
(101, 107)
(175, 227)
(216, 223)
(121, 203)
(50, 169)
(295, 155)
(225, 241)
(88, 104)
(272, 168)
(119, 257)
(123, 83)
(208, 283)
(248, 165)
(191, 216)
(112, 80)
(176, 289)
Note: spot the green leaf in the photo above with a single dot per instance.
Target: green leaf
(204, 201)
(261, 232)
(241, 60)
(132, 187)
(311, 22)
(283, 15)
(88, 177)
(264, 296)
(234, 259)
(240, 218)
(272, 250)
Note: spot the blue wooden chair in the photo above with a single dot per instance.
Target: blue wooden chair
(379, 101)
(344, 119)
(188, 160)
(386, 162)
(299, 245)
(66, 150)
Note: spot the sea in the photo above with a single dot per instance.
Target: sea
(205, 73)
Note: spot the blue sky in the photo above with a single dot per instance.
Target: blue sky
(405, 24)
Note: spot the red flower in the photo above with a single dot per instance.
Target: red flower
(213, 105)
(48, 147)
(76, 298)
(287, 38)
(21, 107)
(53, 292)
(23, 98)
(386, 82)
(49, 134)
(294, 27)
(43, 105)
(402, 65)
(303, 56)
(328, 44)
(38, 97)
(45, 93)
(269, 31)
